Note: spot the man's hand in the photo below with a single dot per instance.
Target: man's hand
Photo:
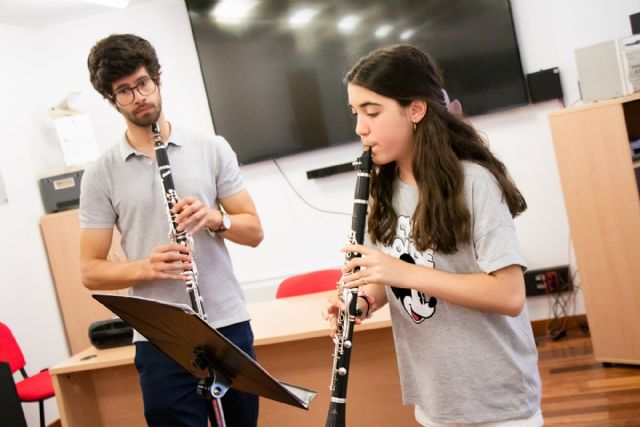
(193, 214)
(166, 262)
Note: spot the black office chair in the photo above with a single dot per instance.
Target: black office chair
(11, 414)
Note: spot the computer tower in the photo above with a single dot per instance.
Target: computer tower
(603, 69)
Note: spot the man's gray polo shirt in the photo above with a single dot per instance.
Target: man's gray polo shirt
(123, 188)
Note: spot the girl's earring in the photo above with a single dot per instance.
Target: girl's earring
(414, 127)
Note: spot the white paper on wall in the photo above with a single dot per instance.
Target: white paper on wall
(77, 139)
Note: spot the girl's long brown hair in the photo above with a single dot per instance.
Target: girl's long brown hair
(441, 141)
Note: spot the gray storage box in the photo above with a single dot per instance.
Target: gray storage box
(61, 192)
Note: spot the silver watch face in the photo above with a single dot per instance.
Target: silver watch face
(226, 221)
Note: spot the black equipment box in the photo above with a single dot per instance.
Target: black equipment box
(547, 281)
(544, 85)
(110, 333)
(61, 192)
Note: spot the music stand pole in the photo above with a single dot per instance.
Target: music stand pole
(212, 387)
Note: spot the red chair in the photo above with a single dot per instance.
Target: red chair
(36, 388)
(309, 283)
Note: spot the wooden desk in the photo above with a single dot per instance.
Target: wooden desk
(101, 387)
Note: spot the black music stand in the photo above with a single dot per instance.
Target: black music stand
(201, 350)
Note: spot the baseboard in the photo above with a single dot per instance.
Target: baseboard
(575, 322)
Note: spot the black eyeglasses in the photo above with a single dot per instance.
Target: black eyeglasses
(125, 95)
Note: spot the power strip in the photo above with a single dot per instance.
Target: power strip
(547, 281)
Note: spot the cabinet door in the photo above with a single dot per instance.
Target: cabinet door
(594, 161)
(61, 234)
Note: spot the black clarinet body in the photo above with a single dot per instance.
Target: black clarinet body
(346, 318)
(181, 238)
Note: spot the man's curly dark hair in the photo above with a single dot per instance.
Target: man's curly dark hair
(117, 56)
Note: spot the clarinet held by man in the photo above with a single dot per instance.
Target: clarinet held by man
(181, 238)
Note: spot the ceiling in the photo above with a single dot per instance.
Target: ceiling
(44, 13)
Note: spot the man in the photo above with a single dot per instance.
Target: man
(123, 188)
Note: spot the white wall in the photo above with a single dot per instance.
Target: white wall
(27, 299)
(49, 63)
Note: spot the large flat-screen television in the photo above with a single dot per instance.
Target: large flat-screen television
(273, 69)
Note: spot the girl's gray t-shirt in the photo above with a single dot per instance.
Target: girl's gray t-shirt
(457, 364)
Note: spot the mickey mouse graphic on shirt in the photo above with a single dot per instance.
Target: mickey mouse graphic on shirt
(416, 304)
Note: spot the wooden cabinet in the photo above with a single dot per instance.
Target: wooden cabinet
(61, 234)
(598, 176)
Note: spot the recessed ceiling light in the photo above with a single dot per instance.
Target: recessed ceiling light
(383, 31)
(233, 11)
(406, 34)
(302, 17)
(348, 23)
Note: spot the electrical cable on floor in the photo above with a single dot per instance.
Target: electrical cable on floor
(562, 297)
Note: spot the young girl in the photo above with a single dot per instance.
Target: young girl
(443, 250)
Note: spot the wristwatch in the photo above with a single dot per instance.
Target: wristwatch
(226, 223)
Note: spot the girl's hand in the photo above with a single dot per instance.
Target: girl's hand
(330, 314)
(376, 268)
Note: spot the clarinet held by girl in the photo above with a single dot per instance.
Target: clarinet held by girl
(346, 317)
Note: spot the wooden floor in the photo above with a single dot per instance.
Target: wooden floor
(579, 391)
